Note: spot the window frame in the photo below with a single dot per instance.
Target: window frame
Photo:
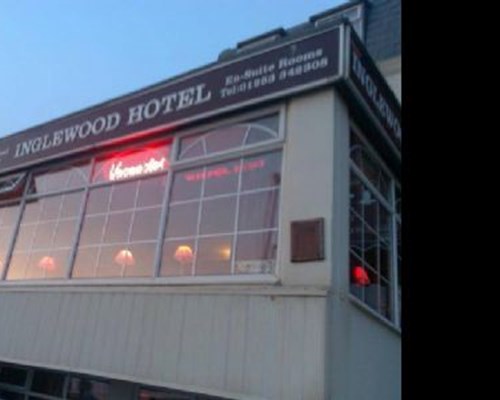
(390, 206)
(175, 165)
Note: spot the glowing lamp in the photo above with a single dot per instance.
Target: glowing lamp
(125, 258)
(225, 253)
(47, 263)
(360, 276)
(183, 254)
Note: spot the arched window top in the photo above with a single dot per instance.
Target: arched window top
(232, 137)
(60, 178)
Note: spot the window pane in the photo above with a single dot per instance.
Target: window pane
(10, 395)
(44, 235)
(358, 276)
(230, 137)
(261, 171)
(98, 201)
(178, 257)
(385, 227)
(370, 247)
(221, 178)
(139, 259)
(8, 219)
(71, 206)
(50, 207)
(256, 253)
(146, 223)
(123, 196)
(214, 256)
(71, 177)
(93, 230)
(47, 264)
(113, 261)
(182, 220)
(151, 191)
(187, 185)
(192, 146)
(218, 215)
(117, 228)
(356, 234)
(87, 389)
(48, 382)
(371, 289)
(17, 266)
(258, 210)
(65, 233)
(13, 375)
(385, 259)
(370, 208)
(225, 138)
(85, 262)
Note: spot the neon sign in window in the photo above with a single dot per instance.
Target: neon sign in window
(133, 164)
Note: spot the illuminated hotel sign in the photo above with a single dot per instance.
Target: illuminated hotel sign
(119, 171)
(133, 164)
(373, 91)
(291, 67)
(272, 73)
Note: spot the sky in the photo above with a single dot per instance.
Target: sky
(61, 56)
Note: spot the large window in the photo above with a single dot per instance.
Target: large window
(193, 204)
(49, 223)
(122, 216)
(375, 257)
(22, 383)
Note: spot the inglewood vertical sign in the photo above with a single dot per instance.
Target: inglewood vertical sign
(305, 63)
(373, 91)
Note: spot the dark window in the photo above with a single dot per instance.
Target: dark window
(48, 382)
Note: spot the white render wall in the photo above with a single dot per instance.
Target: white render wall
(267, 346)
(364, 352)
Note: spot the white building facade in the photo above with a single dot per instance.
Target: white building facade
(232, 233)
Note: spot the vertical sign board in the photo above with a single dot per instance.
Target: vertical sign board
(288, 68)
(373, 91)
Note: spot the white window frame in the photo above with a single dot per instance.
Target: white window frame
(394, 321)
(175, 165)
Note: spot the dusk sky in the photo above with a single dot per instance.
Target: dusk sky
(60, 56)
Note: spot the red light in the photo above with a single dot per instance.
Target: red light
(220, 172)
(360, 276)
(134, 164)
(184, 254)
(47, 263)
(125, 258)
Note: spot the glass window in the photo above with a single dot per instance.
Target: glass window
(103, 217)
(120, 229)
(223, 218)
(10, 395)
(8, 219)
(87, 389)
(48, 382)
(45, 238)
(373, 211)
(62, 178)
(231, 137)
(13, 375)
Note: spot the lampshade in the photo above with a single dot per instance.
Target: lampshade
(184, 254)
(125, 258)
(47, 263)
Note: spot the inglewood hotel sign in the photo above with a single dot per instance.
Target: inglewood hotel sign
(294, 66)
